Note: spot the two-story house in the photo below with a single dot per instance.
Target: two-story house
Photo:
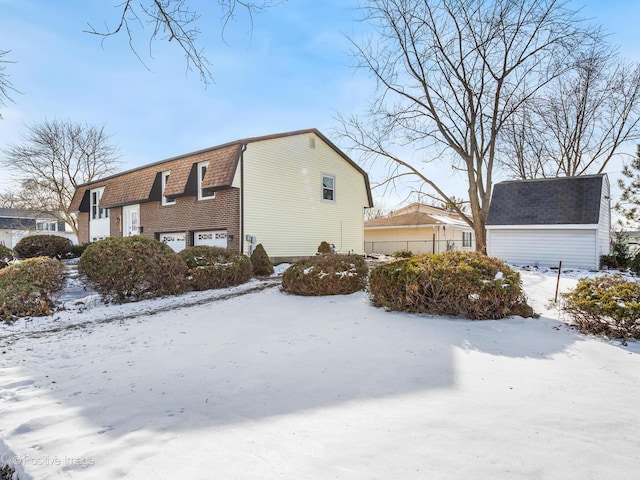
(288, 191)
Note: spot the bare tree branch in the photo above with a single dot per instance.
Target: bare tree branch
(454, 74)
(52, 160)
(577, 125)
(174, 20)
(6, 87)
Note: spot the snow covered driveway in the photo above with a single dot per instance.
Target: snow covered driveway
(268, 385)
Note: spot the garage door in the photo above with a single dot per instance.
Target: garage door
(213, 238)
(575, 248)
(175, 240)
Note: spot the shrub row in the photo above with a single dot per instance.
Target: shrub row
(608, 305)
(466, 284)
(127, 269)
(26, 287)
(326, 274)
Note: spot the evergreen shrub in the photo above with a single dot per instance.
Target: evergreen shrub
(6, 256)
(215, 267)
(260, 261)
(608, 305)
(43, 246)
(324, 247)
(26, 287)
(326, 274)
(466, 284)
(126, 269)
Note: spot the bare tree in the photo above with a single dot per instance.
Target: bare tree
(52, 160)
(628, 207)
(174, 20)
(6, 87)
(578, 123)
(451, 74)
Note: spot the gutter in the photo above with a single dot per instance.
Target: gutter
(242, 150)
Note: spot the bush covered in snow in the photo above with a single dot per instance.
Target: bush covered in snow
(6, 255)
(43, 246)
(324, 247)
(608, 305)
(466, 284)
(215, 267)
(260, 261)
(26, 287)
(326, 275)
(132, 268)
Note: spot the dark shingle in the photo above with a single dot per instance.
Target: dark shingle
(549, 201)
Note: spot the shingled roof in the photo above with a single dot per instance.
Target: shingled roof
(135, 186)
(547, 201)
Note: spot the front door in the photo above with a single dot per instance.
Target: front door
(130, 220)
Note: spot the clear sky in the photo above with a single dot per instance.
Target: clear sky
(291, 71)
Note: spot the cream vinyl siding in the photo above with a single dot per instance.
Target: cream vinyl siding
(545, 247)
(283, 204)
(604, 222)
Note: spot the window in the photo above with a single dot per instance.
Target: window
(166, 200)
(466, 239)
(97, 211)
(328, 188)
(203, 193)
(47, 226)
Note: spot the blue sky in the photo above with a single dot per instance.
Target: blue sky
(291, 71)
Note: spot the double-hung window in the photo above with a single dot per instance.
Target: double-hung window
(466, 239)
(96, 210)
(328, 188)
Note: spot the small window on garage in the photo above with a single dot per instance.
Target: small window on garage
(203, 194)
(328, 188)
(166, 200)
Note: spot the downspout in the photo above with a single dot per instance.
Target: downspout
(244, 147)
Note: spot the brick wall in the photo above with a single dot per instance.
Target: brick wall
(83, 227)
(190, 215)
(115, 222)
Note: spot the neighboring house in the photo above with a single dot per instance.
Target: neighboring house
(288, 191)
(545, 221)
(16, 224)
(419, 228)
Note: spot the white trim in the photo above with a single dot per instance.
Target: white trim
(585, 226)
(332, 177)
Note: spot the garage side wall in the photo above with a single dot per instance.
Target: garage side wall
(576, 248)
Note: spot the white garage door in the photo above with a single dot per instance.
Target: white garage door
(213, 238)
(175, 240)
(576, 248)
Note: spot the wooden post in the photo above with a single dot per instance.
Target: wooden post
(558, 282)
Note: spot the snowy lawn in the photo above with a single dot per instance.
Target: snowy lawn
(267, 385)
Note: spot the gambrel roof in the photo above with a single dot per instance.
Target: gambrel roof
(138, 185)
(547, 201)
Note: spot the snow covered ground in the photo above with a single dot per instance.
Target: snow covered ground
(237, 385)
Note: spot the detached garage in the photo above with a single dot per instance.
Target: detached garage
(545, 221)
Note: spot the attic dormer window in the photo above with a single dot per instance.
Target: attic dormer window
(166, 200)
(203, 193)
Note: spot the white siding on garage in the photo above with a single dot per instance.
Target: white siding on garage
(544, 247)
(604, 222)
(284, 208)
